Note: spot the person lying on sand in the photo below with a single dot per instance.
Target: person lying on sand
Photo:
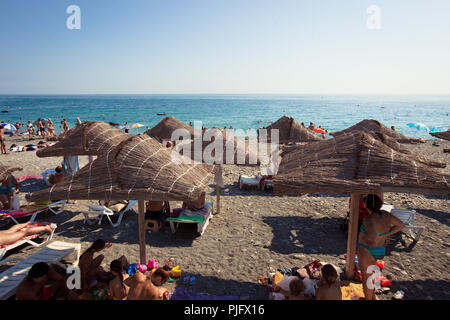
(43, 283)
(142, 288)
(6, 190)
(20, 231)
(328, 287)
(196, 205)
(118, 290)
(91, 267)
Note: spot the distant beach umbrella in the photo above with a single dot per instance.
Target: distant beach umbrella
(136, 125)
(9, 127)
(418, 126)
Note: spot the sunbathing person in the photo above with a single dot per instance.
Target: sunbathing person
(57, 177)
(91, 267)
(6, 190)
(43, 283)
(117, 288)
(141, 288)
(195, 205)
(296, 288)
(328, 287)
(20, 231)
(374, 231)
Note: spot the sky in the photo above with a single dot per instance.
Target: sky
(225, 46)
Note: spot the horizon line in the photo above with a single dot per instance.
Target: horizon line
(228, 93)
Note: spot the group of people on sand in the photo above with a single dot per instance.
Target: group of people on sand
(122, 282)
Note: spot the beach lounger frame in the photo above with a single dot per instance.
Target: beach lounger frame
(18, 243)
(407, 217)
(101, 211)
(201, 227)
(52, 253)
(34, 213)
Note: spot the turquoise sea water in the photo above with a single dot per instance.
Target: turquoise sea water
(333, 112)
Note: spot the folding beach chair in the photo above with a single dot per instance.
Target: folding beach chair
(101, 211)
(407, 217)
(52, 253)
(29, 240)
(200, 217)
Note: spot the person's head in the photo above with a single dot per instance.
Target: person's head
(329, 274)
(296, 287)
(160, 276)
(98, 245)
(38, 273)
(169, 144)
(58, 169)
(116, 268)
(373, 202)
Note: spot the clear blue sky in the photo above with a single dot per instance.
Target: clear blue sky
(225, 46)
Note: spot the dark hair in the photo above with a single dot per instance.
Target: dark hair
(296, 287)
(373, 202)
(329, 273)
(117, 266)
(160, 272)
(96, 245)
(58, 169)
(38, 270)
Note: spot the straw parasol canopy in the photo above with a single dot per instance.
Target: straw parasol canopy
(356, 163)
(164, 129)
(88, 138)
(139, 168)
(5, 171)
(241, 153)
(290, 131)
(442, 135)
(371, 126)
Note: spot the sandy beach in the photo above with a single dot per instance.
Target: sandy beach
(256, 233)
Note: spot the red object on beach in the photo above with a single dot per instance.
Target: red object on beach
(385, 282)
(380, 264)
(319, 130)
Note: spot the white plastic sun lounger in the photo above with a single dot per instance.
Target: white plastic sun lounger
(101, 211)
(29, 240)
(53, 253)
(407, 217)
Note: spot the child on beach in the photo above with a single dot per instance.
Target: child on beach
(57, 177)
(328, 287)
(91, 267)
(142, 288)
(296, 289)
(118, 290)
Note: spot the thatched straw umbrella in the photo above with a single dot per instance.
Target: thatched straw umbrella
(290, 131)
(139, 168)
(372, 126)
(88, 138)
(357, 164)
(164, 129)
(5, 171)
(442, 135)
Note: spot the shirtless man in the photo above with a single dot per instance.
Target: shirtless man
(89, 266)
(2, 139)
(57, 177)
(144, 288)
(43, 283)
(65, 125)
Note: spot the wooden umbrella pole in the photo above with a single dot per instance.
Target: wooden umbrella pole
(352, 234)
(218, 198)
(141, 208)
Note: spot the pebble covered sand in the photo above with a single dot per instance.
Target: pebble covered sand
(256, 233)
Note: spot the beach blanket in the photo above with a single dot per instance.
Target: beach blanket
(29, 176)
(182, 293)
(198, 216)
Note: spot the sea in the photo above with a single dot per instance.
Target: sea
(241, 111)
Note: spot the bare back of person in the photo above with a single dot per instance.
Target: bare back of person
(332, 292)
(141, 288)
(118, 289)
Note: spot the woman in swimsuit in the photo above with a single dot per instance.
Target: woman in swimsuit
(117, 287)
(6, 190)
(374, 231)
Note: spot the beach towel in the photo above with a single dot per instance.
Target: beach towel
(198, 216)
(28, 176)
(182, 293)
(352, 291)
